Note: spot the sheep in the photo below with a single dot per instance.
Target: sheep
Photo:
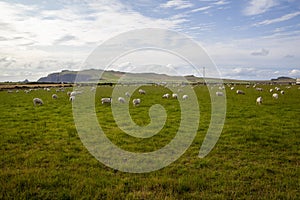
(175, 96)
(142, 91)
(9, 91)
(121, 100)
(232, 88)
(282, 92)
(259, 89)
(219, 93)
(271, 90)
(259, 100)
(240, 92)
(93, 89)
(72, 98)
(37, 101)
(278, 89)
(136, 102)
(275, 96)
(127, 94)
(185, 97)
(179, 90)
(106, 100)
(54, 96)
(166, 96)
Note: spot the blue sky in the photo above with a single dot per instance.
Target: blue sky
(247, 39)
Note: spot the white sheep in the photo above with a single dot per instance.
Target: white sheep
(166, 96)
(136, 102)
(219, 93)
(37, 101)
(72, 98)
(127, 94)
(282, 92)
(240, 92)
(54, 96)
(271, 90)
(259, 100)
(106, 100)
(175, 96)
(142, 91)
(275, 96)
(259, 89)
(121, 100)
(277, 88)
(232, 88)
(185, 97)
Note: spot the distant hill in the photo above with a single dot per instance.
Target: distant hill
(92, 75)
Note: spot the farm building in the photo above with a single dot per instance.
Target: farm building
(298, 81)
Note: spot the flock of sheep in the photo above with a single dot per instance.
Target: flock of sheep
(108, 100)
(137, 102)
(259, 100)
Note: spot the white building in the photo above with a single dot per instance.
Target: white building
(298, 81)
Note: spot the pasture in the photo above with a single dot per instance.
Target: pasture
(257, 155)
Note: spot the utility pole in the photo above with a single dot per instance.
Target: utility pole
(203, 72)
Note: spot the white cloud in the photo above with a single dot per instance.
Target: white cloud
(32, 34)
(177, 4)
(200, 9)
(256, 7)
(279, 19)
(295, 73)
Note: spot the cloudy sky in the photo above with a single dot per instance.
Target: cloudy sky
(247, 39)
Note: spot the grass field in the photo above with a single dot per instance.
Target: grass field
(256, 157)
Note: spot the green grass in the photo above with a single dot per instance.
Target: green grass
(256, 157)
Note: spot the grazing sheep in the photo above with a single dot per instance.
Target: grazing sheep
(9, 91)
(232, 88)
(37, 101)
(106, 100)
(282, 92)
(247, 86)
(93, 89)
(26, 91)
(185, 97)
(259, 100)
(278, 89)
(219, 94)
(72, 98)
(17, 91)
(142, 91)
(275, 96)
(121, 100)
(259, 89)
(271, 90)
(127, 94)
(179, 90)
(166, 96)
(240, 92)
(136, 102)
(175, 96)
(54, 96)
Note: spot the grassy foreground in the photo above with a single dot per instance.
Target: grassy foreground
(256, 157)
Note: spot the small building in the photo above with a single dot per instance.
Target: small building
(298, 81)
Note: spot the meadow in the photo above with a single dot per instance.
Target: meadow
(257, 155)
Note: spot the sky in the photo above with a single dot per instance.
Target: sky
(246, 39)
